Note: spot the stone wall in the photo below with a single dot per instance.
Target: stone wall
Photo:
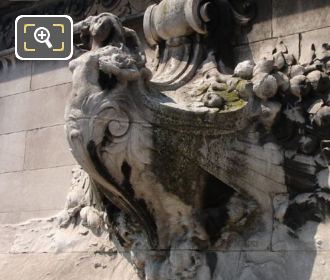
(35, 163)
(297, 23)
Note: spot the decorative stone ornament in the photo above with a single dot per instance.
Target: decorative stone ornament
(186, 158)
(173, 19)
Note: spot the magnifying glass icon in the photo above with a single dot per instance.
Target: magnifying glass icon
(41, 35)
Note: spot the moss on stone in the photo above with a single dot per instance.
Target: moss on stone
(232, 100)
(230, 96)
(241, 85)
(173, 163)
(202, 89)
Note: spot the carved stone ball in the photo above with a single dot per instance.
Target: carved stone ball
(244, 69)
(322, 117)
(213, 100)
(300, 86)
(279, 60)
(323, 178)
(308, 144)
(319, 80)
(264, 66)
(327, 67)
(282, 80)
(269, 113)
(264, 86)
(315, 107)
(289, 59)
(297, 70)
(91, 217)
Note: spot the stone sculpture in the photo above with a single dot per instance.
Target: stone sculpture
(187, 157)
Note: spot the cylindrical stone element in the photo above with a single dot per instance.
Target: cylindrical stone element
(172, 18)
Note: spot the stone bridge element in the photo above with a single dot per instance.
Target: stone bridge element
(189, 158)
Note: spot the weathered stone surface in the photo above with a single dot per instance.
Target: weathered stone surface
(41, 108)
(12, 149)
(315, 266)
(189, 182)
(226, 264)
(258, 50)
(47, 147)
(7, 237)
(262, 24)
(260, 175)
(316, 38)
(16, 78)
(219, 177)
(56, 180)
(46, 236)
(47, 247)
(73, 266)
(10, 218)
(7, 218)
(10, 200)
(312, 236)
(261, 265)
(27, 215)
(30, 190)
(323, 178)
(49, 73)
(299, 16)
(269, 152)
(305, 265)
